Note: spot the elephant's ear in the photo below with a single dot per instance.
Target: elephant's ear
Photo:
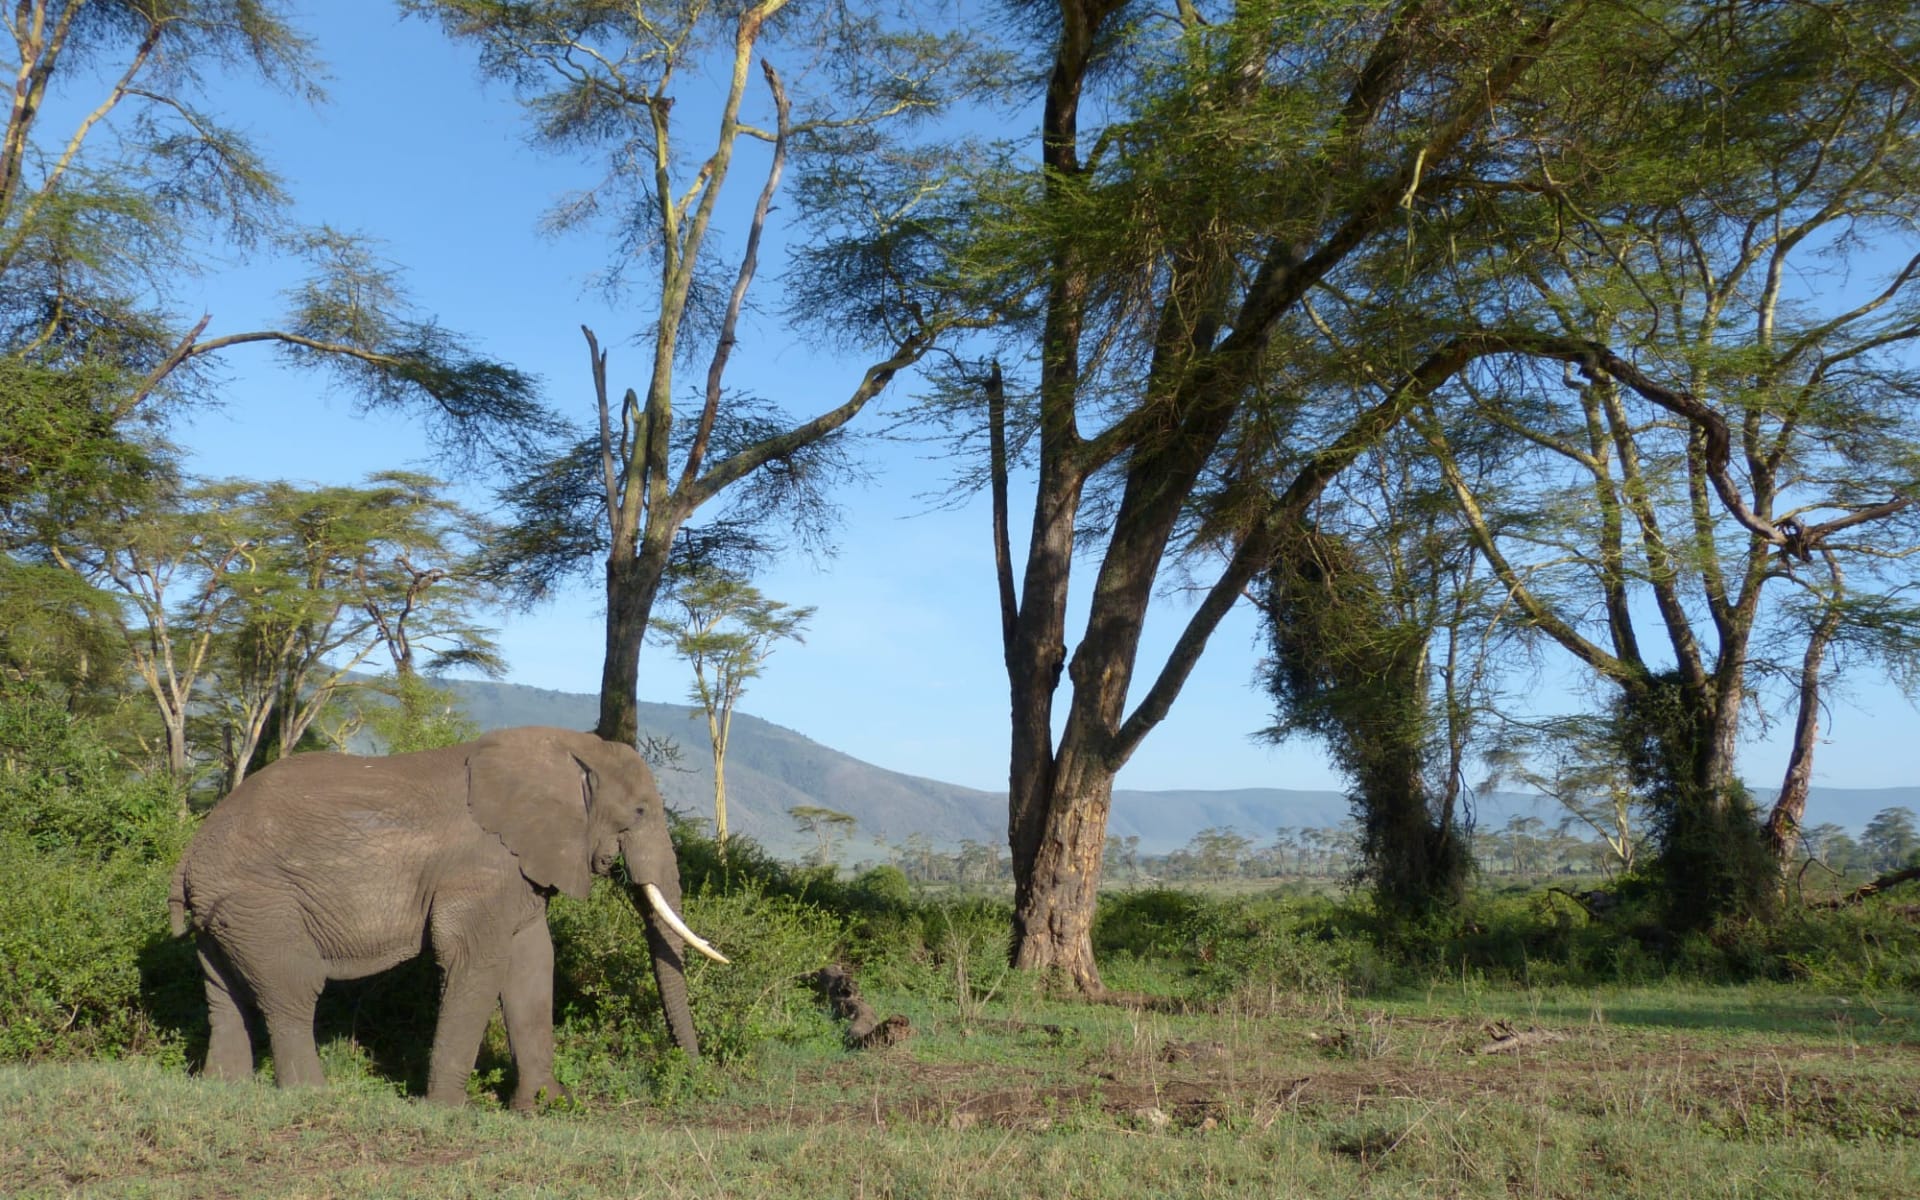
(527, 788)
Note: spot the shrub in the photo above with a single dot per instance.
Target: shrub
(87, 849)
(1867, 947)
(63, 788)
(1254, 955)
(91, 969)
(614, 1039)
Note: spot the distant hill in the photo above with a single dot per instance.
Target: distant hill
(771, 768)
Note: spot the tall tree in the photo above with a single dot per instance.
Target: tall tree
(1353, 632)
(725, 630)
(1707, 481)
(609, 76)
(1161, 265)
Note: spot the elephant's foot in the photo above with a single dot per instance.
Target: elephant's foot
(550, 1094)
(229, 1059)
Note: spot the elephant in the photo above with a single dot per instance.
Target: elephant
(335, 866)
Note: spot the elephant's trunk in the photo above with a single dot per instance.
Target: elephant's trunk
(656, 894)
(669, 972)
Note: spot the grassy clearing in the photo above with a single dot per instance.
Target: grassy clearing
(1762, 1090)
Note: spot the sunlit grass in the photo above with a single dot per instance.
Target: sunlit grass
(1764, 1090)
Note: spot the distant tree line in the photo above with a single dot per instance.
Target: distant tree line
(1523, 847)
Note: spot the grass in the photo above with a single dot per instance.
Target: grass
(1763, 1090)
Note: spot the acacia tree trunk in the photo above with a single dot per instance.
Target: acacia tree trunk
(1054, 896)
(633, 583)
(1790, 807)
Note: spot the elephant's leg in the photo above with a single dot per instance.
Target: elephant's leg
(284, 973)
(289, 1013)
(526, 1002)
(230, 1048)
(469, 991)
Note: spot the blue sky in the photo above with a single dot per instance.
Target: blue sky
(902, 664)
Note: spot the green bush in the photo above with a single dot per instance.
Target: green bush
(91, 970)
(63, 788)
(87, 849)
(1249, 954)
(613, 1035)
(1866, 947)
(883, 887)
(1150, 923)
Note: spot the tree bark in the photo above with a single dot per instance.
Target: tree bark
(1055, 897)
(1790, 807)
(633, 582)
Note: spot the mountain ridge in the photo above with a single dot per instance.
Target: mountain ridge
(771, 768)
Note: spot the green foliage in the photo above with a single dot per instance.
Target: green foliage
(1890, 839)
(89, 969)
(421, 717)
(613, 1035)
(62, 789)
(885, 886)
(1251, 954)
(87, 851)
(1867, 947)
(1350, 667)
(1711, 852)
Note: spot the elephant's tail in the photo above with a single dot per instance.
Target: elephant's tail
(177, 899)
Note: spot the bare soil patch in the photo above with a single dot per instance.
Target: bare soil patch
(1199, 1085)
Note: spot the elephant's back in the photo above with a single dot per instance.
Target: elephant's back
(316, 819)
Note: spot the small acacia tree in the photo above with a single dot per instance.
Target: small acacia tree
(725, 630)
(243, 606)
(336, 575)
(826, 825)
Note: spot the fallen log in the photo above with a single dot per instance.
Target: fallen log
(1506, 1038)
(1891, 879)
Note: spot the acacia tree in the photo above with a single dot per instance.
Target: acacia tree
(609, 76)
(163, 566)
(335, 575)
(1383, 636)
(1575, 762)
(1350, 664)
(244, 606)
(1755, 441)
(725, 630)
(1160, 267)
(101, 220)
(827, 826)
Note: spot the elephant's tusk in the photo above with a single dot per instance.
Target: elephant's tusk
(673, 921)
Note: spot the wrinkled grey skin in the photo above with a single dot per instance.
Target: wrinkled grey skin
(332, 866)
